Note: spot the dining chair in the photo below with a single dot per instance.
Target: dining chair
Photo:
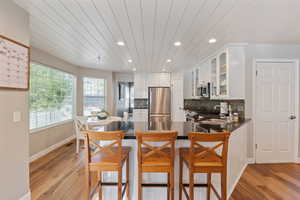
(100, 158)
(80, 126)
(156, 159)
(204, 159)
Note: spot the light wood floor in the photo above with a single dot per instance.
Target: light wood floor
(60, 176)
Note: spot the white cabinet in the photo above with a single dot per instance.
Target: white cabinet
(227, 70)
(140, 85)
(159, 80)
(140, 115)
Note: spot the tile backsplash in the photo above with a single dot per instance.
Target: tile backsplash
(206, 106)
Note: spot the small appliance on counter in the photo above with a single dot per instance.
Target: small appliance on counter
(223, 109)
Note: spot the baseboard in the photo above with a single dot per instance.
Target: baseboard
(26, 196)
(237, 180)
(51, 148)
(298, 160)
(251, 161)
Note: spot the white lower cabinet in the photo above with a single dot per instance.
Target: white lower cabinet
(140, 115)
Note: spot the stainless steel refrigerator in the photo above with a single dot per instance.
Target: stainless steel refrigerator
(159, 108)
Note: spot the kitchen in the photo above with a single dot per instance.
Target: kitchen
(148, 99)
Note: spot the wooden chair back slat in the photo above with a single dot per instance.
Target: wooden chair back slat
(93, 148)
(221, 138)
(144, 138)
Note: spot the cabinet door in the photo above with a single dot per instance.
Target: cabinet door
(214, 78)
(223, 74)
(165, 80)
(193, 83)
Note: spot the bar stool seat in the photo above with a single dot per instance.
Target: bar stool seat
(105, 158)
(210, 159)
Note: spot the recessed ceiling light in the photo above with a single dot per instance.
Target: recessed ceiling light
(212, 40)
(120, 43)
(177, 43)
(130, 61)
(134, 69)
(169, 60)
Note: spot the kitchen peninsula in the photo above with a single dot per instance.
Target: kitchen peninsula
(237, 155)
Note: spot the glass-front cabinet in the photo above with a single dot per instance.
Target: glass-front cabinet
(214, 77)
(223, 74)
(219, 75)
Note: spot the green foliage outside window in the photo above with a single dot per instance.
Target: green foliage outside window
(49, 88)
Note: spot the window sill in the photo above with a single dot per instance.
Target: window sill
(36, 130)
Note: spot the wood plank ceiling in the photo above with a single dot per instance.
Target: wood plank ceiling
(81, 31)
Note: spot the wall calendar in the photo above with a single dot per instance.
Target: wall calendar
(14, 64)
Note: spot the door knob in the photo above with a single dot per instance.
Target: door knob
(292, 117)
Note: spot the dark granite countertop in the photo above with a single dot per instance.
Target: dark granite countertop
(183, 128)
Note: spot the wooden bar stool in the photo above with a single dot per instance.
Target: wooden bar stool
(100, 158)
(202, 159)
(156, 159)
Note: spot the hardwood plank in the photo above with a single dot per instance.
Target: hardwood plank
(269, 181)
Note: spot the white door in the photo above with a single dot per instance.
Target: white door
(275, 108)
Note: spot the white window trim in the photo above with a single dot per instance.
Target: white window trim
(105, 91)
(36, 130)
(42, 128)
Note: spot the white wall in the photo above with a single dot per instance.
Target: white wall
(263, 51)
(14, 170)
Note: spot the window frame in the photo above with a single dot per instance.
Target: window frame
(105, 92)
(74, 100)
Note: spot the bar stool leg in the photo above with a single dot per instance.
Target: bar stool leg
(120, 183)
(172, 184)
(100, 185)
(224, 184)
(87, 184)
(127, 179)
(140, 189)
(168, 188)
(191, 185)
(180, 177)
(208, 186)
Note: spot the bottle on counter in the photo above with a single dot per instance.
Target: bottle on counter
(235, 117)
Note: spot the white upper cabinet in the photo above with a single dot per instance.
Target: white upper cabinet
(159, 80)
(140, 85)
(228, 73)
(144, 80)
(224, 70)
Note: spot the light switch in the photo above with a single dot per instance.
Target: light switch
(16, 116)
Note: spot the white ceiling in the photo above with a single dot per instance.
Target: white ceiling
(78, 31)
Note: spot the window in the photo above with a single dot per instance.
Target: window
(51, 96)
(94, 95)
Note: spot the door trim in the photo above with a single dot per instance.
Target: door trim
(296, 64)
